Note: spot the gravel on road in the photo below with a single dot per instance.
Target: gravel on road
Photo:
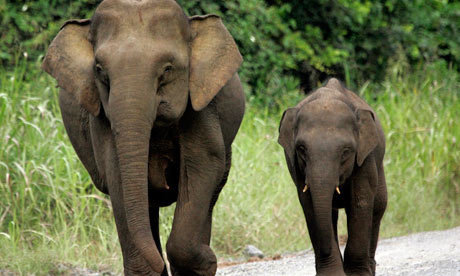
(422, 254)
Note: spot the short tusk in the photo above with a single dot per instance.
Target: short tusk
(337, 189)
(305, 188)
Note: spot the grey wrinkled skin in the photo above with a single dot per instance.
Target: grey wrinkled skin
(151, 101)
(334, 147)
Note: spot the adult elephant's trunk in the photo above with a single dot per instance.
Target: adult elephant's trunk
(132, 124)
(322, 188)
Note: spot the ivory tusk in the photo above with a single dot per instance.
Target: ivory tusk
(337, 189)
(305, 188)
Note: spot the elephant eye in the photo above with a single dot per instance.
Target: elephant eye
(302, 152)
(346, 154)
(165, 78)
(99, 68)
(101, 74)
(168, 68)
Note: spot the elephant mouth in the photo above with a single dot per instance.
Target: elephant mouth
(165, 115)
(163, 165)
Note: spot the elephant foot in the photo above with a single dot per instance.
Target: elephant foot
(191, 261)
(362, 272)
(361, 268)
(372, 265)
(331, 273)
(135, 265)
(144, 270)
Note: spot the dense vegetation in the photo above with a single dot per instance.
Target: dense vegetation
(401, 56)
(284, 43)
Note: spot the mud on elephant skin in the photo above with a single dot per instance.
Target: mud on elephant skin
(334, 147)
(151, 101)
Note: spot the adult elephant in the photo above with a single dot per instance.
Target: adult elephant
(151, 101)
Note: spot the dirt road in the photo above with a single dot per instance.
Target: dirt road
(421, 254)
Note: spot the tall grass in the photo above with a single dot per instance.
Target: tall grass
(51, 214)
(49, 210)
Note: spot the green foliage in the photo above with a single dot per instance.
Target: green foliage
(29, 26)
(51, 214)
(285, 44)
(366, 37)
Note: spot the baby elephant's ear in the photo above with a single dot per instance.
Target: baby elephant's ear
(70, 60)
(286, 130)
(214, 59)
(367, 134)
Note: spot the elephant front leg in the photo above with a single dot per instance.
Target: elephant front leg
(202, 170)
(325, 265)
(359, 223)
(356, 256)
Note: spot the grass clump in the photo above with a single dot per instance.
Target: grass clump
(51, 214)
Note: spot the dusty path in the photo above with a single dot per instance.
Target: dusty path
(421, 254)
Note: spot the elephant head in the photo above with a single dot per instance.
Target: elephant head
(138, 62)
(326, 137)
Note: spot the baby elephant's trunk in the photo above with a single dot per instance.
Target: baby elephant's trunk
(322, 189)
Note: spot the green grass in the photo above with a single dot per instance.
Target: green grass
(51, 214)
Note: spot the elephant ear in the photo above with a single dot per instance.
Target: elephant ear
(70, 60)
(286, 140)
(286, 131)
(214, 59)
(367, 134)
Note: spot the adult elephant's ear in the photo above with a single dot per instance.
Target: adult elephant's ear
(214, 59)
(70, 60)
(367, 134)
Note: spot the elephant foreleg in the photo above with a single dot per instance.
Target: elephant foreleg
(359, 221)
(207, 231)
(202, 170)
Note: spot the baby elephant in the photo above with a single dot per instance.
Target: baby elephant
(334, 147)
